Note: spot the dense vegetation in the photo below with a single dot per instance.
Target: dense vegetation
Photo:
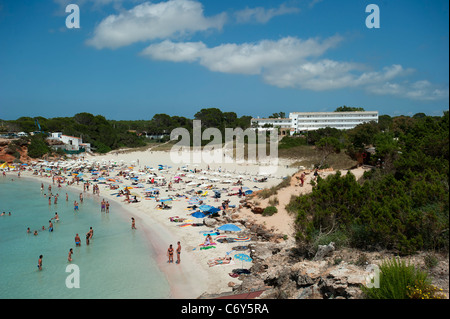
(402, 204)
(106, 135)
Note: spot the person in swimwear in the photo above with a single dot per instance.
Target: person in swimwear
(170, 254)
(133, 223)
(50, 226)
(75, 205)
(178, 253)
(208, 240)
(77, 240)
(56, 218)
(69, 258)
(40, 262)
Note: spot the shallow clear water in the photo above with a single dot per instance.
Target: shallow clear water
(118, 263)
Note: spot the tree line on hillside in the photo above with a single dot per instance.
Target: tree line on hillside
(401, 204)
(106, 135)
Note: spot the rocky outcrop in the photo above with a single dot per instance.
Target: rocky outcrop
(283, 274)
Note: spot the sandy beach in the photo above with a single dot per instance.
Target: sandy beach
(193, 276)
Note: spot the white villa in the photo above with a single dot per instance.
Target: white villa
(69, 143)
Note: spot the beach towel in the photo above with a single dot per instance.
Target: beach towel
(210, 244)
(242, 239)
(207, 247)
(212, 234)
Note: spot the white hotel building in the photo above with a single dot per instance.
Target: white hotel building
(299, 122)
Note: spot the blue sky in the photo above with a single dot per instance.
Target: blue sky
(131, 59)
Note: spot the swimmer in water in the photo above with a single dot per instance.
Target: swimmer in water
(77, 240)
(40, 262)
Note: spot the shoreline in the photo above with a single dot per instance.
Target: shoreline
(154, 238)
(193, 277)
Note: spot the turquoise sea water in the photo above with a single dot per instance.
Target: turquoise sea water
(118, 263)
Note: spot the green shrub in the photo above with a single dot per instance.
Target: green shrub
(269, 211)
(396, 278)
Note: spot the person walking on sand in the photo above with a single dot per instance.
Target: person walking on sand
(40, 262)
(170, 254)
(178, 253)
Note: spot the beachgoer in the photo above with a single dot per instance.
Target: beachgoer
(208, 240)
(56, 218)
(133, 223)
(88, 235)
(178, 253)
(50, 226)
(75, 205)
(170, 254)
(69, 258)
(219, 261)
(91, 233)
(40, 262)
(107, 206)
(35, 233)
(77, 240)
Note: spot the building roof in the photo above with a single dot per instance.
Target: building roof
(271, 119)
(319, 113)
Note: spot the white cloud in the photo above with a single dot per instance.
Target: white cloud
(149, 21)
(422, 90)
(294, 63)
(262, 15)
(246, 58)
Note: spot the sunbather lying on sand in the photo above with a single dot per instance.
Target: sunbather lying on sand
(219, 261)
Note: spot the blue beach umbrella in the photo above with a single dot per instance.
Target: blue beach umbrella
(198, 215)
(165, 199)
(205, 207)
(213, 210)
(229, 227)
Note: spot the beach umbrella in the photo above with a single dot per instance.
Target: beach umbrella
(198, 215)
(165, 199)
(205, 207)
(213, 210)
(229, 227)
(243, 257)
